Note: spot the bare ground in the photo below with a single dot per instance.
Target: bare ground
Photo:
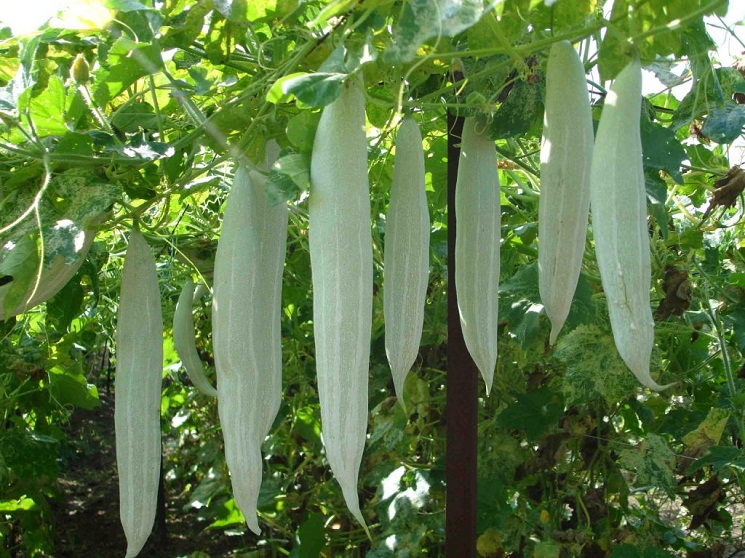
(87, 511)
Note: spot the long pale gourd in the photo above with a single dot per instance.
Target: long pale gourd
(477, 238)
(566, 155)
(406, 255)
(139, 367)
(246, 312)
(619, 222)
(183, 341)
(341, 263)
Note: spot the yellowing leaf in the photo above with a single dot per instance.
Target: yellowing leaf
(708, 433)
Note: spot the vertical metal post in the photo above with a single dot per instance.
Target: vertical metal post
(462, 393)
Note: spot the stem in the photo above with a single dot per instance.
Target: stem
(95, 110)
(731, 385)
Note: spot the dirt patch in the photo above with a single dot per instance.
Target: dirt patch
(86, 513)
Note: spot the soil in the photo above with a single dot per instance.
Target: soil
(87, 510)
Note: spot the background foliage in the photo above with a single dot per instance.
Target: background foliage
(126, 108)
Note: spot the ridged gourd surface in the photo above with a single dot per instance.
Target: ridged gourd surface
(139, 368)
(341, 263)
(246, 312)
(406, 255)
(619, 222)
(477, 240)
(564, 206)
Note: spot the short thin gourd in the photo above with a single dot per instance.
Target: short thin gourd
(184, 341)
(246, 313)
(406, 255)
(139, 367)
(340, 240)
(619, 222)
(477, 239)
(566, 156)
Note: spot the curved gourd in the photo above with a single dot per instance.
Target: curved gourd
(477, 238)
(246, 312)
(406, 255)
(184, 343)
(139, 367)
(341, 263)
(619, 222)
(566, 156)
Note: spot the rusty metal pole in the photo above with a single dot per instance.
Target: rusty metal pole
(462, 393)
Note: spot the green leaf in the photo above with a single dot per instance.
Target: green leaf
(547, 549)
(29, 455)
(720, 457)
(312, 536)
(737, 279)
(301, 130)
(633, 551)
(289, 177)
(662, 150)
(316, 90)
(724, 124)
(424, 19)
(593, 367)
(562, 15)
(308, 424)
(48, 109)
(709, 90)
(241, 11)
(523, 283)
(533, 413)
(652, 462)
(73, 143)
(132, 117)
(259, 9)
(110, 82)
(65, 306)
(20, 260)
(69, 387)
(228, 515)
(522, 109)
(656, 189)
(660, 15)
(125, 5)
(21, 504)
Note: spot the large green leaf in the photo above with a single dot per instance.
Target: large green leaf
(593, 367)
(522, 110)
(724, 123)
(48, 109)
(534, 413)
(425, 19)
(660, 19)
(313, 89)
(662, 150)
(29, 454)
(69, 387)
